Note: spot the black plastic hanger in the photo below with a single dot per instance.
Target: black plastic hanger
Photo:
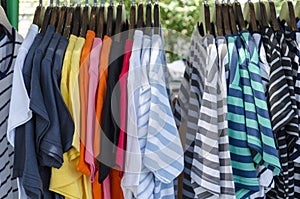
(85, 19)
(140, 17)
(110, 19)
(47, 17)
(92, 24)
(239, 16)
(76, 19)
(287, 14)
(132, 19)
(156, 18)
(218, 22)
(61, 19)
(232, 18)
(68, 23)
(101, 26)
(148, 18)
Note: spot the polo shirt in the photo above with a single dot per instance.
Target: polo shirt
(120, 154)
(19, 112)
(74, 92)
(244, 172)
(164, 159)
(21, 143)
(226, 177)
(133, 163)
(188, 106)
(66, 180)
(110, 112)
(92, 89)
(281, 109)
(65, 120)
(9, 48)
(83, 88)
(99, 190)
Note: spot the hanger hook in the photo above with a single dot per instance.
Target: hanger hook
(133, 2)
(95, 3)
(149, 1)
(57, 2)
(112, 2)
(86, 2)
(156, 2)
(51, 3)
(78, 2)
(228, 2)
(205, 2)
(41, 3)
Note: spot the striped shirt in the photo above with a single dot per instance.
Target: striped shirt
(163, 151)
(268, 155)
(281, 112)
(244, 172)
(9, 48)
(188, 105)
(133, 159)
(206, 169)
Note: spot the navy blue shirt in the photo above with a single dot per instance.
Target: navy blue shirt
(65, 119)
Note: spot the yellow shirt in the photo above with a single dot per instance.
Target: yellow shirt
(67, 181)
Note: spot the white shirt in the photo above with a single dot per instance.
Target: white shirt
(19, 112)
(133, 159)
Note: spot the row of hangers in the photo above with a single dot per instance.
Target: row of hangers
(70, 20)
(230, 19)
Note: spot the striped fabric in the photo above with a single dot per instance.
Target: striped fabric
(8, 52)
(188, 106)
(267, 153)
(206, 168)
(163, 151)
(226, 177)
(146, 178)
(244, 172)
(281, 112)
(133, 159)
(265, 175)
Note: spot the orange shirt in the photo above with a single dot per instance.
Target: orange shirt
(103, 73)
(83, 167)
(115, 183)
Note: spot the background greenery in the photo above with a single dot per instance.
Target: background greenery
(178, 18)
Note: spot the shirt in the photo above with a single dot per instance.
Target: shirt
(92, 89)
(226, 177)
(130, 180)
(162, 138)
(244, 172)
(83, 88)
(101, 93)
(111, 112)
(24, 142)
(206, 170)
(120, 154)
(269, 155)
(188, 105)
(280, 104)
(66, 180)
(8, 51)
(19, 112)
